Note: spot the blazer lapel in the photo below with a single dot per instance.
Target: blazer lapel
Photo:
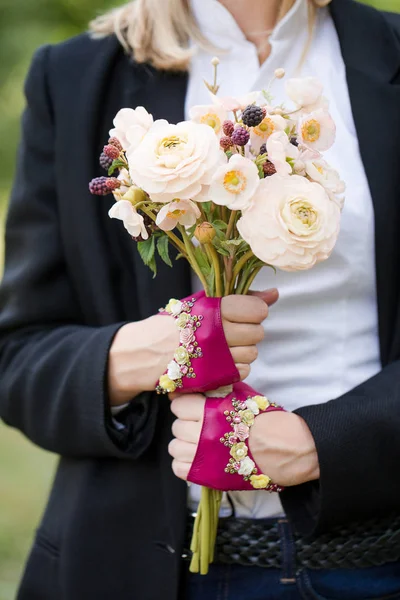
(371, 70)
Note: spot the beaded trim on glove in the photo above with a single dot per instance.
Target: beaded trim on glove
(189, 348)
(241, 419)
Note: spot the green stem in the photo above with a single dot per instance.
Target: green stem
(250, 280)
(174, 239)
(241, 262)
(217, 270)
(192, 259)
(231, 224)
(205, 531)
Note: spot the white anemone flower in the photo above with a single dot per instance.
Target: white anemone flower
(131, 125)
(317, 130)
(235, 183)
(133, 222)
(209, 114)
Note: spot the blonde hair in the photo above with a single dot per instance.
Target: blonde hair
(158, 31)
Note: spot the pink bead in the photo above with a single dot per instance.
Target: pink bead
(237, 419)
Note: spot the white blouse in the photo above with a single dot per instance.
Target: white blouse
(322, 336)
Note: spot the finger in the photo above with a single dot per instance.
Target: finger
(244, 371)
(244, 309)
(182, 451)
(268, 296)
(181, 469)
(187, 431)
(189, 407)
(244, 354)
(241, 334)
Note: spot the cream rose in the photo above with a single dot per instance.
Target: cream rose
(291, 223)
(176, 161)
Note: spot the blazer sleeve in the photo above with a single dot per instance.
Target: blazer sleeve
(53, 368)
(357, 437)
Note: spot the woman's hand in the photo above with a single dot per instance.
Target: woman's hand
(283, 448)
(281, 443)
(141, 351)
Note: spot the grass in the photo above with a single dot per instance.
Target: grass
(25, 476)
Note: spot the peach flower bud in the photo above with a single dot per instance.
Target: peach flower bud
(279, 73)
(204, 232)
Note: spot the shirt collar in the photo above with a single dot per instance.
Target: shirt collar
(219, 27)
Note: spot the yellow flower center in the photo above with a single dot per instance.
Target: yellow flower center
(235, 182)
(311, 130)
(301, 217)
(175, 214)
(212, 120)
(265, 128)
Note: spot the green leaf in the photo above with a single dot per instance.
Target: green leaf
(146, 250)
(235, 242)
(116, 164)
(163, 249)
(218, 246)
(220, 228)
(153, 266)
(211, 281)
(202, 261)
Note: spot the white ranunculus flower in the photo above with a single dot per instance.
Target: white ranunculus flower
(317, 130)
(133, 222)
(130, 126)
(174, 371)
(253, 406)
(269, 125)
(176, 161)
(211, 115)
(246, 466)
(304, 91)
(234, 184)
(321, 172)
(279, 149)
(291, 224)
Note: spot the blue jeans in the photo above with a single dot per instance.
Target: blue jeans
(236, 582)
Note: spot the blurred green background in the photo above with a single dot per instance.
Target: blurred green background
(25, 471)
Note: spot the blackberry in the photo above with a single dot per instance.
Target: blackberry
(269, 168)
(226, 142)
(101, 186)
(263, 149)
(240, 136)
(228, 127)
(115, 142)
(111, 151)
(252, 115)
(105, 161)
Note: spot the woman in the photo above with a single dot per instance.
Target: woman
(81, 348)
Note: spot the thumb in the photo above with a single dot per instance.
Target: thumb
(269, 296)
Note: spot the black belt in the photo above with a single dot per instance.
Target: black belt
(257, 542)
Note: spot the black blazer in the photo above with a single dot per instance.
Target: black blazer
(114, 524)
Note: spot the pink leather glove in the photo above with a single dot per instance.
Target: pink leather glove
(223, 459)
(203, 360)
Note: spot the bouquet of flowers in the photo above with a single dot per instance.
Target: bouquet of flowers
(240, 186)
